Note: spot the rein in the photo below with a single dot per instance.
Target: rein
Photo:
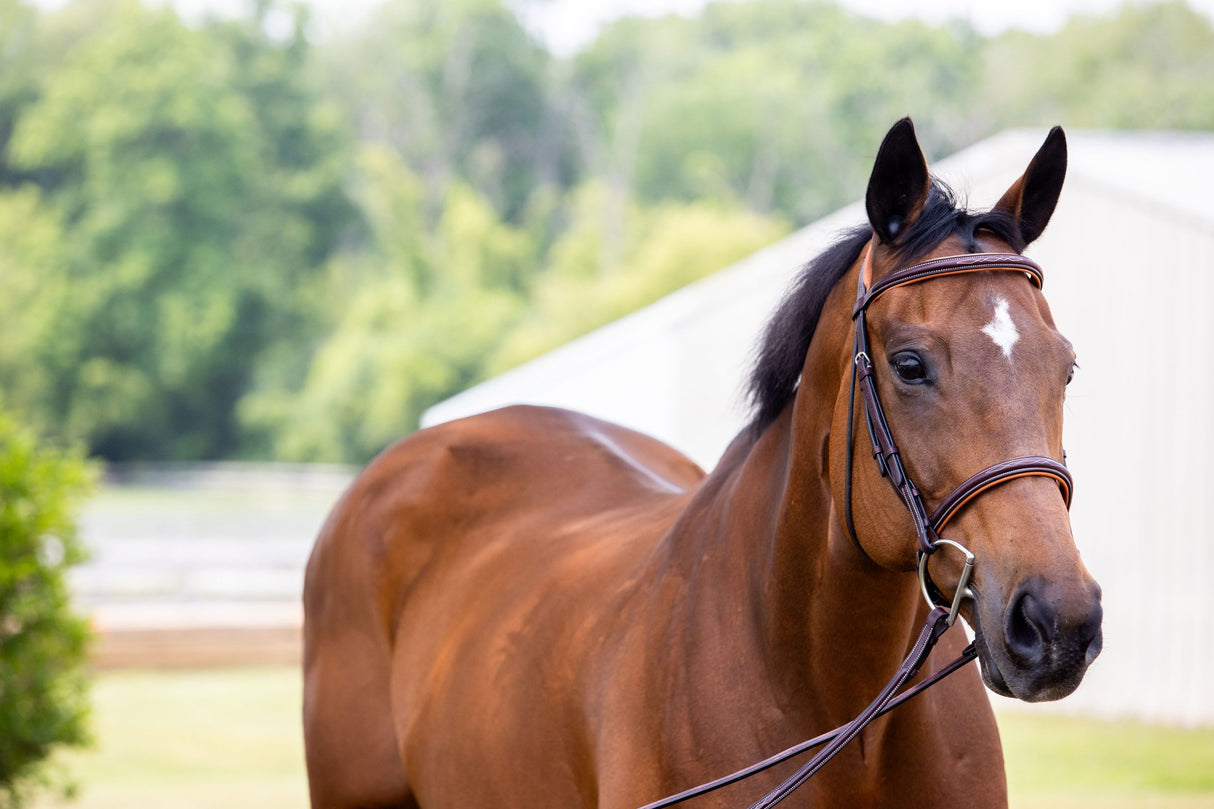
(927, 525)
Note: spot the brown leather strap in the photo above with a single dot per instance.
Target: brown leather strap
(937, 624)
(1001, 473)
(885, 449)
(946, 265)
(969, 654)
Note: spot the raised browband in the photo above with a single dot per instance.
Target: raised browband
(948, 265)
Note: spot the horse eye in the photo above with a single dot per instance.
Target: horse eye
(910, 368)
(1070, 374)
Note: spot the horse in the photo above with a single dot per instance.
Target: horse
(535, 608)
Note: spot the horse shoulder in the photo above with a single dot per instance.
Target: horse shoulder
(498, 552)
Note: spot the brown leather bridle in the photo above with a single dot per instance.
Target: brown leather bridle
(927, 525)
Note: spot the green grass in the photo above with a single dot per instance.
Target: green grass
(1055, 762)
(231, 738)
(196, 740)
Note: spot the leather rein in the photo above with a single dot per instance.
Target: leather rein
(928, 525)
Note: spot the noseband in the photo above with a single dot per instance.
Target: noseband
(885, 450)
(928, 526)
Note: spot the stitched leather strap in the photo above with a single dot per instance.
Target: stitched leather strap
(1001, 473)
(885, 449)
(937, 624)
(947, 265)
(969, 654)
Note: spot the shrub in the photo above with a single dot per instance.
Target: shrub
(43, 698)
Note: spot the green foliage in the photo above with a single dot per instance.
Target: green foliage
(443, 305)
(1148, 67)
(42, 645)
(416, 319)
(218, 242)
(461, 91)
(191, 189)
(18, 68)
(775, 104)
(589, 281)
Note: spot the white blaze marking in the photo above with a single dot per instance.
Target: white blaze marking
(1002, 330)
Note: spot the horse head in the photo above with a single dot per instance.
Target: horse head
(971, 371)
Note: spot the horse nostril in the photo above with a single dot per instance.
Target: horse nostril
(1089, 635)
(1031, 625)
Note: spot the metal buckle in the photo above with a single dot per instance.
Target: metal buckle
(963, 590)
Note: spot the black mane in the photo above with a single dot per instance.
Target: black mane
(781, 354)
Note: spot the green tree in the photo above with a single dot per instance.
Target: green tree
(416, 318)
(197, 182)
(667, 246)
(18, 75)
(462, 93)
(1146, 67)
(774, 104)
(43, 699)
(215, 242)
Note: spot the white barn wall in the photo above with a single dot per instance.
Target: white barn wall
(1129, 260)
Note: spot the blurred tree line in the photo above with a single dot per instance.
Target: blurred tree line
(222, 239)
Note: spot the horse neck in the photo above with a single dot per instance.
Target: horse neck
(835, 618)
(826, 615)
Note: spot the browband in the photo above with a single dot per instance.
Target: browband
(948, 265)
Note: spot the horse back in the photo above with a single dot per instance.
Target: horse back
(536, 468)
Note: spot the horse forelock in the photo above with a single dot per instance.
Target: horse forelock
(776, 371)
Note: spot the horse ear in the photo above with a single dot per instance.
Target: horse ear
(899, 183)
(1033, 197)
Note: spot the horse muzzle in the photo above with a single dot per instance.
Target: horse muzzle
(1039, 644)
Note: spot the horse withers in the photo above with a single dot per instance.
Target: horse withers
(535, 608)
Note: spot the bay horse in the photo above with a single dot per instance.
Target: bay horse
(535, 608)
